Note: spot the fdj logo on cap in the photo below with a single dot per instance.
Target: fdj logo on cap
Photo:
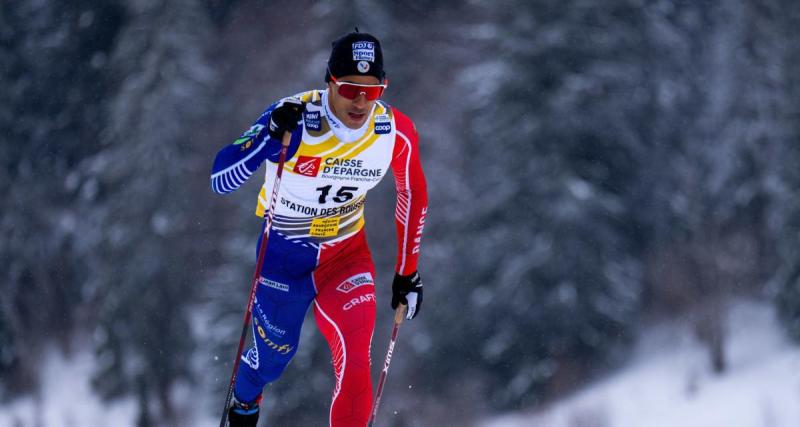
(364, 51)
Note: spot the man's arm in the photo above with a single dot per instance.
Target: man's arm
(236, 162)
(412, 195)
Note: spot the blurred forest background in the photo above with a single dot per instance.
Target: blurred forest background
(591, 166)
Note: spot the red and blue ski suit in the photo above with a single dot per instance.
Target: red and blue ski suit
(317, 250)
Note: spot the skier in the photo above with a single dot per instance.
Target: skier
(343, 141)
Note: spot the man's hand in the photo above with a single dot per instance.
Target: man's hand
(407, 290)
(285, 117)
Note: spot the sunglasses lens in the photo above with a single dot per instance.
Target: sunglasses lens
(348, 91)
(351, 91)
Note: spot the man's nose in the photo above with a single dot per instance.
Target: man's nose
(360, 101)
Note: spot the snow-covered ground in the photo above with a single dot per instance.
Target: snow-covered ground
(668, 382)
(66, 399)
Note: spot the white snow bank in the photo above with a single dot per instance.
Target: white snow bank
(66, 399)
(668, 382)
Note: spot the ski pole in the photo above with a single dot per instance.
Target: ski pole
(399, 314)
(262, 250)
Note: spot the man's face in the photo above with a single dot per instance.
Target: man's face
(352, 112)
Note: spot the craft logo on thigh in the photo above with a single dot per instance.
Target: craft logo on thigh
(307, 166)
(356, 301)
(355, 281)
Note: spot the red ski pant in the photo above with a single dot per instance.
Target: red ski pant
(345, 312)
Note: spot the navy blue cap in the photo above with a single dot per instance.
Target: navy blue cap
(356, 54)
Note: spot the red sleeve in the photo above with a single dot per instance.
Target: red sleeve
(412, 194)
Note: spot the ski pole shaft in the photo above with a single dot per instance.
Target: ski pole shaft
(399, 314)
(262, 250)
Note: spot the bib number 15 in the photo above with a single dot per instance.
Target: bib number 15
(344, 194)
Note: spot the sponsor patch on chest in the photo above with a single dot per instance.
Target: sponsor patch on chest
(349, 170)
(383, 124)
(307, 166)
(312, 121)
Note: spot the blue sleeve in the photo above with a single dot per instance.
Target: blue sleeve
(236, 162)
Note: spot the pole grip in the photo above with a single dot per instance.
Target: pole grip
(287, 138)
(400, 314)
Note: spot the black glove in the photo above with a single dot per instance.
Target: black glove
(407, 290)
(285, 116)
